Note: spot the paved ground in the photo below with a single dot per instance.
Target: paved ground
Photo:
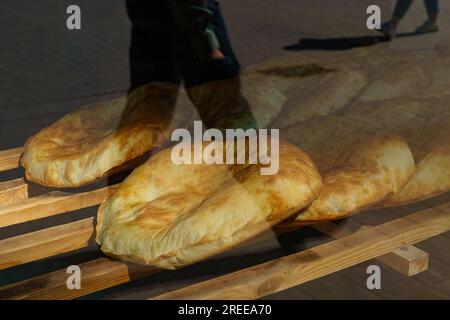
(46, 70)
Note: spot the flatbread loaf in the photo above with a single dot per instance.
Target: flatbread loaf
(169, 215)
(219, 99)
(394, 79)
(360, 167)
(425, 125)
(89, 143)
(310, 89)
(282, 92)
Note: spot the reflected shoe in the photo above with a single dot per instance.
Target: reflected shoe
(427, 27)
(388, 30)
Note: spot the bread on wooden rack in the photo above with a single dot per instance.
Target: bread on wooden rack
(98, 139)
(169, 215)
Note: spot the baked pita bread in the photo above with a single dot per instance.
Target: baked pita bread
(425, 125)
(394, 79)
(89, 143)
(395, 75)
(309, 89)
(221, 100)
(360, 167)
(323, 82)
(169, 215)
(437, 67)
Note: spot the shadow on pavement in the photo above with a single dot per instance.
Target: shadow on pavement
(345, 43)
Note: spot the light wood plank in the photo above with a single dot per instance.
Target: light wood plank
(9, 159)
(72, 236)
(75, 235)
(414, 228)
(45, 243)
(51, 204)
(326, 259)
(408, 260)
(13, 191)
(96, 275)
(295, 269)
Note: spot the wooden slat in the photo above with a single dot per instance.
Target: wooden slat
(408, 260)
(45, 243)
(75, 235)
(51, 204)
(9, 159)
(13, 191)
(96, 275)
(295, 269)
(253, 282)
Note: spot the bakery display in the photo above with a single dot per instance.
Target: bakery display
(170, 215)
(376, 127)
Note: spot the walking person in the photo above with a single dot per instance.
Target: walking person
(389, 28)
(186, 42)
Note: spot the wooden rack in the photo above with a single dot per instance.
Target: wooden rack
(391, 243)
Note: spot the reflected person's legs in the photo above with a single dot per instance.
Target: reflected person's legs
(200, 70)
(152, 48)
(389, 28)
(401, 8)
(430, 25)
(432, 9)
(214, 85)
(151, 56)
(151, 60)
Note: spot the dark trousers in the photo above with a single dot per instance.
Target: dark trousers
(402, 6)
(160, 51)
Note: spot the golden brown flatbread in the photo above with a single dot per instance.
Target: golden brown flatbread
(87, 144)
(360, 167)
(393, 79)
(309, 89)
(169, 215)
(225, 101)
(434, 65)
(425, 125)
(324, 82)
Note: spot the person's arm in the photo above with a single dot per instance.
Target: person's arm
(194, 17)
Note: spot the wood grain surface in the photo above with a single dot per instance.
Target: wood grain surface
(45, 243)
(51, 204)
(13, 191)
(257, 281)
(96, 275)
(9, 159)
(286, 272)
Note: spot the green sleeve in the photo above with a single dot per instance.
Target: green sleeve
(195, 18)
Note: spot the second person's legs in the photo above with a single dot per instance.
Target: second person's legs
(401, 8)
(389, 28)
(430, 25)
(432, 9)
